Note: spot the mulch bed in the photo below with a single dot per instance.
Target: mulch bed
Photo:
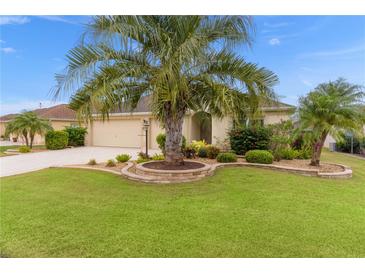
(163, 166)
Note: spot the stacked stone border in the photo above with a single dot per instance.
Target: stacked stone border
(143, 174)
(162, 176)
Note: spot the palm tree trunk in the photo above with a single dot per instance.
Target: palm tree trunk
(25, 135)
(31, 140)
(317, 150)
(173, 128)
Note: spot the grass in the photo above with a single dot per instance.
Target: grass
(239, 212)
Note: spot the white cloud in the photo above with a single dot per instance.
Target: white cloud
(58, 19)
(8, 50)
(17, 107)
(14, 20)
(274, 41)
(330, 53)
(277, 25)
(307, 83)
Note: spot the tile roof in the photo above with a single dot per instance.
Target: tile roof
(58, 112)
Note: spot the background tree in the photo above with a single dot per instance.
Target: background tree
(182, 62)
(27, 125)
(332, 108)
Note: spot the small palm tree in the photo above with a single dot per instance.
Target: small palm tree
(182, 62)
(28, 124)
(332, 108)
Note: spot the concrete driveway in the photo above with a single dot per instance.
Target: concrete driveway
(18, 164)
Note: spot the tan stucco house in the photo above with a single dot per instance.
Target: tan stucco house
(60, 116)
(126, 129)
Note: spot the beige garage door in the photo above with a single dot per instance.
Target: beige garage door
(121, 133)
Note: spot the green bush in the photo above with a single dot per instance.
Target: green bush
(249, 138)
(227, 157)
(56, 139)
(161, 140)
(259, 156)
(304, 154)
(203, 152)
(189, 152)
(110, 163)
(142, 157)
(197, 145)
(76, 136)
(212, 151)
(158, 157)
(24, 149)
(92, 162)
(289, 154)
(122, 158)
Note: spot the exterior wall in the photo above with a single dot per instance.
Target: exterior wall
(220, 127)
(275, 117)
(127, 131)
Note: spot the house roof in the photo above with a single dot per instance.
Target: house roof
(144, 106)
(58, 112)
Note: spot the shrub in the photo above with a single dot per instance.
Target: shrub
(304, 153)
(142, 160)
(158, 157)
(122, 158)
(142, 157)
(249, 138)
(92, 162)
(110, 163)
(161, 140)
(227, 157)
(203, 152)
(212, 152)
(289, 154)
(197, 145)
(259, 156)
(56, 139)
(76, 135)
(24, 149)
(189, 152)
(344, 145)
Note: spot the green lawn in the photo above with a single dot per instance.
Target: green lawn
(239, 212)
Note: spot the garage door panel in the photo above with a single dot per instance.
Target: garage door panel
(122, 133)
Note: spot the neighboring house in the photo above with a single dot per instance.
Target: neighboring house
(126, 129)
(59, 116)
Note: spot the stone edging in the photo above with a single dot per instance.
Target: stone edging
(346, 173)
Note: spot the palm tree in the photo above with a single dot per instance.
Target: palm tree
(332, 108)
(28, 124)
(183, 62)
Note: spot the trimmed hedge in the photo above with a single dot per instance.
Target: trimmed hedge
(76, 136)
(226, 157)
(259, 156)
(249, 138)
(56, 139)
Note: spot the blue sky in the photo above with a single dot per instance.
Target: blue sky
(302, 50)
